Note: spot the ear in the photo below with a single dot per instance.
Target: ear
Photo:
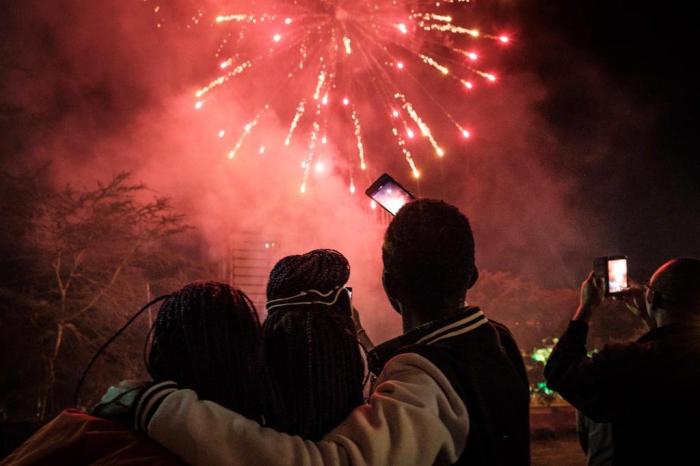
(650, 304)
(656, 300)
(390, 290)
(474, 278)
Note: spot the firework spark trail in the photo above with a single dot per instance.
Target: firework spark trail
(406, 153)
(430, 17)
(238, 18)
(449, 28)
(295, 121)
(337, 52)
(489, 76)
(222, 79)
(246, 131)
(311, 150)
(319, 84)
(358, 137)
(425, 130)
(430, 61)
(243, 18)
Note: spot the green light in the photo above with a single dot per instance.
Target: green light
(541, 354)
(542, 386)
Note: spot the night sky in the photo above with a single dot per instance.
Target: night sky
(642, 55)
(616, 96)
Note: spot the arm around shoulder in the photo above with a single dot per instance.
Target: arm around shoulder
(414, 416)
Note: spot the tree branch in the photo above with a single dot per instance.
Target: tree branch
(113, 279)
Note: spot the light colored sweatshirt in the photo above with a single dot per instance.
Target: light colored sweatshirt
(414, 417)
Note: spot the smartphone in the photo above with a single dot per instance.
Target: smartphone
(388, 193)
(614, 270)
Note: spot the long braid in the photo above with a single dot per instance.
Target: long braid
(311, 379)
(311, 352)
(207, 337)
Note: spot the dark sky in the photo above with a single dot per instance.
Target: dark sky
(617, 99)
(624, 72)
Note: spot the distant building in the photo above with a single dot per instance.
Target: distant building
(248, 262)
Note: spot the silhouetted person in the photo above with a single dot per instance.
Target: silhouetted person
(429, 265)
(206, 337)
(649, 390)
(310, 348)
(596, 440)
(452, 389)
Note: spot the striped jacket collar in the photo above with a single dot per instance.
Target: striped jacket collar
(465, 321)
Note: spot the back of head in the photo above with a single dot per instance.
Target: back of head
(207, 338)
(676, 285)
(428, 255)
(311, 351)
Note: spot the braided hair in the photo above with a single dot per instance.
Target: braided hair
(207, 337)
(311, 351)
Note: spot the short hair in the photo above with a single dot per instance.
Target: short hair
(311, 351)
(678, 284)
(428, 254)
(207, 337)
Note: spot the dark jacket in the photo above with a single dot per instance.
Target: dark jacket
(649, 390)
(482, 362)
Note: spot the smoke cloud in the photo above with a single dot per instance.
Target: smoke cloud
(98, 87)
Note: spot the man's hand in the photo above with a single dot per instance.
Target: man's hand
(362, 336)
(119, 403)
(592, 294)
(635, 302)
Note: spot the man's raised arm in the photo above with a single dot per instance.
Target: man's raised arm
(413, 417)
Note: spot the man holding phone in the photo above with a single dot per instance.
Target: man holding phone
(649, 390)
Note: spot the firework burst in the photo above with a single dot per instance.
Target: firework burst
(341, 63)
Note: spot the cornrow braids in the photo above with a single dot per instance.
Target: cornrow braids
(320, 269)
(207, 337)
(311, 351)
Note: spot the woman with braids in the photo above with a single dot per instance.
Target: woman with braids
(206, 337)
(310, 346)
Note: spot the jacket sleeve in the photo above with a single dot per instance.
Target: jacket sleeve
(413, 417)
(511, 349)
(591, 384)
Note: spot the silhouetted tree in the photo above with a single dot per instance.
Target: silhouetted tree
(88, 259)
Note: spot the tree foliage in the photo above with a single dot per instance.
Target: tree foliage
(537, 315)
(83, 260)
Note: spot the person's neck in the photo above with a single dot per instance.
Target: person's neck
(414, 318)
